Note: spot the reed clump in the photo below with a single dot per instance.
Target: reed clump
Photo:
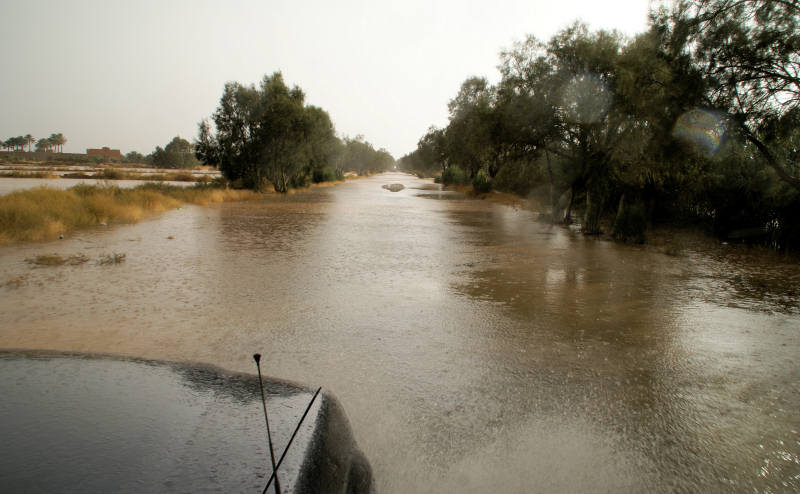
(28, 174)
(45, 213)
(176, 177)
(114, 258)
(57, 260)
(15, 283)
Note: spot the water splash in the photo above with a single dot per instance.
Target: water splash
(702, 128)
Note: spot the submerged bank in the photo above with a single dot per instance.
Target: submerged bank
(45, 213)
(672, 239)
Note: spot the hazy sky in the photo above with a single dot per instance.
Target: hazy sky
(133, 74)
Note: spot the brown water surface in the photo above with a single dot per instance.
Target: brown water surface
(474, 348)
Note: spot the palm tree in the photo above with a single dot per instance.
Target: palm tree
(30, 140)
(57, 140)
(43, 144)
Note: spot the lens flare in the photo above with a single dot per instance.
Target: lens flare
(586, 98)
(703, 129)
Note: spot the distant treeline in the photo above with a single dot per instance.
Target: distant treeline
(695, 120)
(178, 153)
(54, 143)
(267, 135)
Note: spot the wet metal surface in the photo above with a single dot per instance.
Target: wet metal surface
(473, 347)
(91, 423)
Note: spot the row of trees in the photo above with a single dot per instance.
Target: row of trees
(178, 153)
(268, 135)
(358, 155)
(695, 119)
(53, 143)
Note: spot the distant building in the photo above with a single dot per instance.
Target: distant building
(105, 153)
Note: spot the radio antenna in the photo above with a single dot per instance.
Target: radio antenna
(257, 358)
(286, 449)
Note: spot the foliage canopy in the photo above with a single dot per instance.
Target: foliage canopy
(696, 119)
(267, 134)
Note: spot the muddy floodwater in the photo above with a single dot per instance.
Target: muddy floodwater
(474, 348)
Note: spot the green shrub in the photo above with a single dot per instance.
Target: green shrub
(519, 177)
(631, 223)
(453, 175)
(110, 174)
(482, 183)
(326, 175)
(298, 181)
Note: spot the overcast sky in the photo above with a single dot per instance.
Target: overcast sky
(133, 74)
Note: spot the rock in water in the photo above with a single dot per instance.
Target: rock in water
(394, 187)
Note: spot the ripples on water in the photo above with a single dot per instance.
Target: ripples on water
(473, 347)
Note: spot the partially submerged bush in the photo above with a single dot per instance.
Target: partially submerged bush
(631, 223)
(57, 260)
(108, 259)
(26, 174)
(453, 175)
(81, 175)
(181, 177)
(110, 174)
(519, 177)
(299, 181)
(482, 183)
(326, 175)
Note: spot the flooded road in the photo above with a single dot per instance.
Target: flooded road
(473, 348)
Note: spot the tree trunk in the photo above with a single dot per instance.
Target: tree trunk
(567, 220)
(619, 225)
(591, 220)
(553, 207)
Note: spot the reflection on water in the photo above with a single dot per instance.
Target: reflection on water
(473, 347)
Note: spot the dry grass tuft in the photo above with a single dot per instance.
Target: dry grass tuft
(14, 283)
(109, 259)
(26, 174)
(47, 260)
(45, 213)
(181, 177)
(57, 260)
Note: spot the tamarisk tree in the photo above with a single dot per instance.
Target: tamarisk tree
(749, 53)
(264, 134)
